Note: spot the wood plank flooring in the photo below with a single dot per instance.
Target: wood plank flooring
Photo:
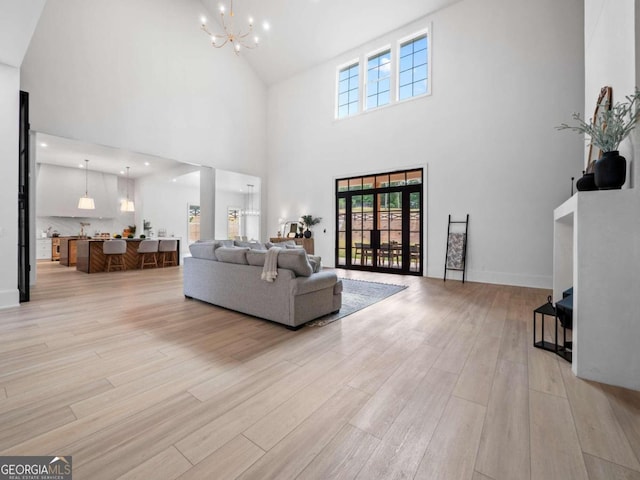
(439, 381)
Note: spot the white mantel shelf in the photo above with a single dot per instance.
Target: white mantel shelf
(596, 250)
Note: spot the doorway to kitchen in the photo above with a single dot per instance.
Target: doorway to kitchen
(24, 264)
(379, 222)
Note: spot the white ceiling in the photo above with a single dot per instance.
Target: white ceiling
(305, 33)
(65, 152)
(18, 19)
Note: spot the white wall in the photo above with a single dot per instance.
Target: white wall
(505, 72)
(9, 113)
(232, 191)
(606, 328)
(610, 57)
(142, 76)
(166, 205)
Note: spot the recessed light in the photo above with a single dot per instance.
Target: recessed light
(266, 26)
(174, 180)
(121, 172)
(146, 164)
(44, 145)
(80, 165)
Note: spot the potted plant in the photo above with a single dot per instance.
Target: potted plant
(309, 221)
(607, 130)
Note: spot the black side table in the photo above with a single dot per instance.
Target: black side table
(549, 310)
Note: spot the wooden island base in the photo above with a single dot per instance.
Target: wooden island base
(90, 258)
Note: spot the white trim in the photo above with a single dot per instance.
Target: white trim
(394, 78)
(426, 32)
(340, 67)
(9, 298)
(365, 79)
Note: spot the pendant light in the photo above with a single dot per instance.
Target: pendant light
(127, 205)
(86, 202)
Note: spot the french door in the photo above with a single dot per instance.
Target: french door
(379, 222)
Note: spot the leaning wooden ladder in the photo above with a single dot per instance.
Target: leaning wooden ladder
(456, 257)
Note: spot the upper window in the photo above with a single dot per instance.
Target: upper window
(348, 90)
(413, 68)
(389, 74)
(378, 79)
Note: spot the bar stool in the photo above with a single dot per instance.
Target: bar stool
(168, 248)
(114, 250)
(146, 248)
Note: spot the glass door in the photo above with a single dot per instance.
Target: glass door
(379, 223)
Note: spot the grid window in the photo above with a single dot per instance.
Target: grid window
(413, 68)
(378, 79)
(348, 90)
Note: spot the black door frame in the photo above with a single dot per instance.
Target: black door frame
(24, 243)
(405, 190)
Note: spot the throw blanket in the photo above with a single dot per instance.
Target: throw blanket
(270, 269)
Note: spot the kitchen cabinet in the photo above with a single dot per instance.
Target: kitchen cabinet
(68, 251)
(43, 249)
(55, 249)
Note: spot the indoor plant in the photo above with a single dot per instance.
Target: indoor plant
(606, 131)
(309, 221)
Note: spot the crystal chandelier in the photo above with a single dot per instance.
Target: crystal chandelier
(236, 38)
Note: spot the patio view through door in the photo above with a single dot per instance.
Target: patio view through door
(379, 222)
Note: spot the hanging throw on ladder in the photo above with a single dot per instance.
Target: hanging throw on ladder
(456, 257)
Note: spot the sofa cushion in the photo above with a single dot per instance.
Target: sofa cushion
(204, 250)
(251, 245)
(296, 261)
(256, 257)
(232, 255)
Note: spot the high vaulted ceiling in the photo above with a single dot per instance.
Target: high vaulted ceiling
(305, 33)
(18, 19)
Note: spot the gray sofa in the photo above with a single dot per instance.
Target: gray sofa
(230, 277)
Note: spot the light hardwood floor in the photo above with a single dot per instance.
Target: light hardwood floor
(439, 381)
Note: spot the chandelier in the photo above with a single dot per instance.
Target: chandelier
(236, 38)
(250, 211)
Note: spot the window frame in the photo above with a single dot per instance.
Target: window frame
(392, 77)
(348, 65)
(362, 61)
(426, 32)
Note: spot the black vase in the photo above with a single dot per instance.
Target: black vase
(586, 183)
(610, 171)
(307, 233)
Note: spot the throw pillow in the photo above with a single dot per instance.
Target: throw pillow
(233, 255)
(295, 260)
(256, 257)
(316, 263)
(205, 250)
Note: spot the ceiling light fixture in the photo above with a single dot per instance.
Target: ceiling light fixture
(237, 39)
(127, 205)
(251, 211)
(86, 202)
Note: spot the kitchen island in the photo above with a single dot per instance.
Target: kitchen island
(68, 251)
(90, 259)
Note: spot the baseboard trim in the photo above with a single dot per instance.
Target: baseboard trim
(498, 278)
(9, 298)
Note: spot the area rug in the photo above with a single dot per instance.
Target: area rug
(356, 295)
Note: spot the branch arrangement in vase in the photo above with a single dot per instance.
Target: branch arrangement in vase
(610, 126)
